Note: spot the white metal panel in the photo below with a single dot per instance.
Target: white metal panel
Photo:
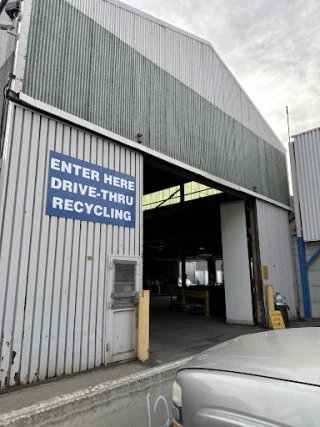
(123, 332)
(29, 203)
(183, 55)
(32, 322)
(276, 251)
(54, 270)
(236, 263)
(307, 155)
(6, 224)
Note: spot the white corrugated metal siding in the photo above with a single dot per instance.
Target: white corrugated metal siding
(307, 155)
(54, 271)
(276, 251)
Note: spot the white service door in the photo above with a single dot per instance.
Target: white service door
(122, 305)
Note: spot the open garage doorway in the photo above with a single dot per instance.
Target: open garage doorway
(183, 263)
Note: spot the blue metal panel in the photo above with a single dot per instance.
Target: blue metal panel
(304, 279)
(314, 256)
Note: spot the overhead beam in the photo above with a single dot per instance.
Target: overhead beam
(188, 176)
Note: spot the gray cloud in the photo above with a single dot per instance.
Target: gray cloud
(271, 46)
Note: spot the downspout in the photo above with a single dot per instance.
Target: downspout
(301, 247)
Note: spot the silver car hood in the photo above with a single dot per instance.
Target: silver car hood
(292, 354)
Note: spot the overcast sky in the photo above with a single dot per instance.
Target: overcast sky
(271, 46)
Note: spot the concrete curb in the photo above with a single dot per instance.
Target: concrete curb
(49, 412)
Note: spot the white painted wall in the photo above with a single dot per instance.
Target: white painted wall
(236, 264)
(276, 251)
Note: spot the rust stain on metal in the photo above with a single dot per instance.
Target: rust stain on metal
(17, 378)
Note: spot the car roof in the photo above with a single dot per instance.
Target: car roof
(292, 355)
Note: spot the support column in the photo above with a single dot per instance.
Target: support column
(182, 249)
(236, 263)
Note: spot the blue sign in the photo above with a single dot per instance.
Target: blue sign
(85, 191)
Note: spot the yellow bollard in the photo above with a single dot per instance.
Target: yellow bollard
(143, 326)
(270, 300)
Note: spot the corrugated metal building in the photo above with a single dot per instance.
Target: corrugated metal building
(55, 269)
(108, 85)
(132, 74)
(305, 161)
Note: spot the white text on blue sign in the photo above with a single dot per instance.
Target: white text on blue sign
(81, 190)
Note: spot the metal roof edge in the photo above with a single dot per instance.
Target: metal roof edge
(199, 39)
(306, 131)
(251, 101)
(64, 116)
(156, 20)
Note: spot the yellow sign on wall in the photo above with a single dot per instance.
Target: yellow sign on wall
(276, 320)
(265, 272)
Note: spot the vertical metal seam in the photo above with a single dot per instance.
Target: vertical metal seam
(44, 293)
(2, 313)
(45, 272)
(10, 251)
(38, 255)
(20, 249)
(77, 272)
